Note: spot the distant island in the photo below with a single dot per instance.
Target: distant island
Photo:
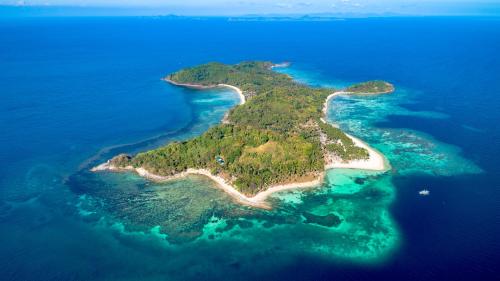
(276, 139)
(371, 87)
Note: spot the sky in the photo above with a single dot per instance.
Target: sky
(260, 7)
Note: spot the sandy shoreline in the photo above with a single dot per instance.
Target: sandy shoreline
(280, 65)
(203, 87)
(258, 201)
(376, 162)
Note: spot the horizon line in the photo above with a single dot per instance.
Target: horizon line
(142, 11)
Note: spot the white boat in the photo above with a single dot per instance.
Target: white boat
(424, 192)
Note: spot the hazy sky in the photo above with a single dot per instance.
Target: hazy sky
(238, 7)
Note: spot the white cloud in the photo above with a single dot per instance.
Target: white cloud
(284, 5)
(304, 4)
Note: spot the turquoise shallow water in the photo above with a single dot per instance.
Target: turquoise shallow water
(94, 91)
(361, 229)
(409, 151)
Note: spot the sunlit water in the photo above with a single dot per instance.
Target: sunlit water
(74, 98)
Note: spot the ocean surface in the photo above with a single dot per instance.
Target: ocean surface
(76, 91)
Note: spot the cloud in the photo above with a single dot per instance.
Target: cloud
(304, 4)
(284, 5)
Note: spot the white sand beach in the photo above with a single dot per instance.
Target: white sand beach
(235, 89)
(203, 87)
(258, 201)
(375, 162)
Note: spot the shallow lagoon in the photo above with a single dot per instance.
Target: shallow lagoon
(358, 202)
(97, 92)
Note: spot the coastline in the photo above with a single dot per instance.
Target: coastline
(203, 87)
(280, 65)
(257, 201)
(375, 162)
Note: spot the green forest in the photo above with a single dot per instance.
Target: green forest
(273, 138)
(371, 87)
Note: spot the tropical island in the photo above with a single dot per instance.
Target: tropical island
(371, 87)
(275, 139)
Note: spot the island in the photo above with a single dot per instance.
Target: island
(275, 139)
(371, 87)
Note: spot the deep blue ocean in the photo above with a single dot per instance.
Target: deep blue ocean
(76, 91)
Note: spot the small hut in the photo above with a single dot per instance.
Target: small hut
(219, 160)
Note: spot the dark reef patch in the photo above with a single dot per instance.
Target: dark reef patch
(329, 220)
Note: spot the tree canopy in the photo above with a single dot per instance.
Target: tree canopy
(275, 137)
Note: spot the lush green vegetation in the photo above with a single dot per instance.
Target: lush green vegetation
(273, 138)
(342, 145)
(371, 87)
(250, 77)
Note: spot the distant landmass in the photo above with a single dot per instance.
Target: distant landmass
(275, 139)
